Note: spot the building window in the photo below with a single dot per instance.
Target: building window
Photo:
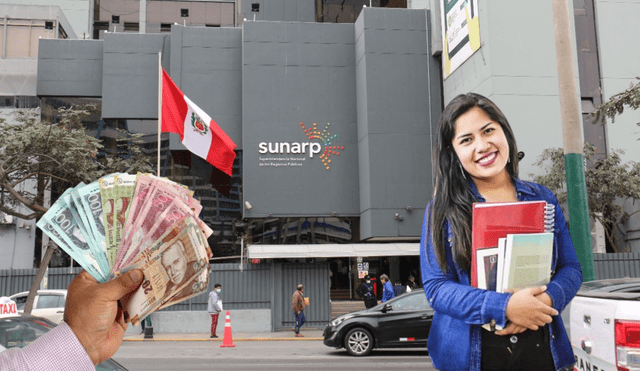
(131, 27)
(184, 13)
(20, 102)
(165, 27)
(115, 19)
(347, 11)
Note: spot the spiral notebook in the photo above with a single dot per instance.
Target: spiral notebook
(494, 220)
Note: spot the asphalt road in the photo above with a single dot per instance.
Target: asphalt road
(262, 355)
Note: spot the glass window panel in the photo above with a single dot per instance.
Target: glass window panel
(48, 301)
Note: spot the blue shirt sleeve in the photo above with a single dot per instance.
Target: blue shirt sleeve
(450, 292)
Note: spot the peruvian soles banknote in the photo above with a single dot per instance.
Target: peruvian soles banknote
(151, 229)
(60, 225)
(173, 269)
(108, 197)
(122, 222)
(152, 199)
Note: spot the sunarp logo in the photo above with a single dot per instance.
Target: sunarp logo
(312, 148)
(326, 138)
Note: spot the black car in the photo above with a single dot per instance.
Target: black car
(19, 331)
(401, 322)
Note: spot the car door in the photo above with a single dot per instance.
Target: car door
(407, 321)
(50, 306)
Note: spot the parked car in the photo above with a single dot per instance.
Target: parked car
(401, 322)
(19, 331)
(605, 325)
(48, 304)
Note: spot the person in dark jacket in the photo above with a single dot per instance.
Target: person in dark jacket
(365, 290)
(398, 289)
(411, 284)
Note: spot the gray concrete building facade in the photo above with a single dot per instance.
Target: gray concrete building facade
(367, 91)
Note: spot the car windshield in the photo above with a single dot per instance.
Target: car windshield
(21, 331)
(410, 302)
(417, 301)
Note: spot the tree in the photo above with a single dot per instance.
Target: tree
(38, 156)
(616, 104)
(55, 157)
(609, 185)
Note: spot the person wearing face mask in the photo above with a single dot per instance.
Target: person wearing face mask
(215, 307)
(365, 290)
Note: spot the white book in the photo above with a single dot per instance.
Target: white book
(527, 261)
(502, 243)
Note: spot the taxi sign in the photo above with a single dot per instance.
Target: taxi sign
(7, 307)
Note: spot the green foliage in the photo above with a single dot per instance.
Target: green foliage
(616, 104)
(37, 156)
(610, 184)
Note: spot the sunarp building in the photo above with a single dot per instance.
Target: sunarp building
(333, 124)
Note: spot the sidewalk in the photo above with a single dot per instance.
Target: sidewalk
(283, 335)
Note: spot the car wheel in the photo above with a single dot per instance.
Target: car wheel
(358, 342)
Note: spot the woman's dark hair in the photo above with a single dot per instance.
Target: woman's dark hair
(452, 196)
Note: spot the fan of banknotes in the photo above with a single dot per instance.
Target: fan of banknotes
(123, 222)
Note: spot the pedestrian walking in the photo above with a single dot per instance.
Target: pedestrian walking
(298, 304)
(365, 290)
(387, 289)
(476, 160)
(215, 307)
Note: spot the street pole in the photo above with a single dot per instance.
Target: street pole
(572, 140)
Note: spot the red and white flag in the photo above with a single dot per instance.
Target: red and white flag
(198, 131)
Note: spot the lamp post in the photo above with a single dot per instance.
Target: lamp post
(572, 140)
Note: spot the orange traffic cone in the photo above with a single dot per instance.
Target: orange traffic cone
(227, 340)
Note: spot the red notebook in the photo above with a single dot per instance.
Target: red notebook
(494, 220)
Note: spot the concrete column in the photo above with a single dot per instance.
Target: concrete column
(143, 17)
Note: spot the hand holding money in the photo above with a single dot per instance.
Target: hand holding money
(93, 314)
(123, 222)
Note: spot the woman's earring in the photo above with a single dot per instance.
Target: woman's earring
(509, 160)
(462, 171)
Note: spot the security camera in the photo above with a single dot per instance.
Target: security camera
(247, 205)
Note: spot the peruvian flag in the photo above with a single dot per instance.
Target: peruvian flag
(198, 132)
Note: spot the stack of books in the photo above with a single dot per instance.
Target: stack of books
(512, 245)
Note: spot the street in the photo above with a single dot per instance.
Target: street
(261, 355)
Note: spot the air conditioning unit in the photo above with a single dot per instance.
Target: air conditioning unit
(6, 219)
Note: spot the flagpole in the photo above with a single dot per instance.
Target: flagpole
(159, 106)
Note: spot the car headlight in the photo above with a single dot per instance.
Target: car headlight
(338, 321)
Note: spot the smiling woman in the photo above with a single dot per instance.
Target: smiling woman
(476, 160)
(483, 150)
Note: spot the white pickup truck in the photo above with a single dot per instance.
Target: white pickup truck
(605, 325)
